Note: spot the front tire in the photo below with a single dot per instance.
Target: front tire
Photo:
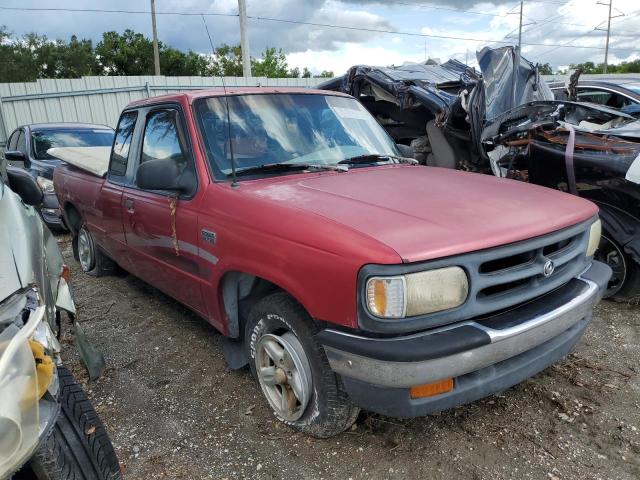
(292, 369)
(78, 447)
(624, 285)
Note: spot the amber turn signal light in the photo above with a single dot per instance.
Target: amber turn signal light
(431, 389)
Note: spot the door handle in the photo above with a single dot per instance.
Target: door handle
(129, 205)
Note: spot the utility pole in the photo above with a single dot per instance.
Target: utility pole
(156, 52)
(244, 39)
(516, 65)
(606, 47)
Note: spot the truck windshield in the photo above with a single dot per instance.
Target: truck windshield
(305, 129)
(43, 140)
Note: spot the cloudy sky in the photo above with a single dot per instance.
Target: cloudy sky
(416, 28)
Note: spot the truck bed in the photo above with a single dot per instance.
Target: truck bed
(94, 160)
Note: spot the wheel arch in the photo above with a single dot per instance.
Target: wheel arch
(72, 217)
(239, 291)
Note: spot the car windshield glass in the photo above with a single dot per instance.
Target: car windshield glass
(287, 128)
(43, 140)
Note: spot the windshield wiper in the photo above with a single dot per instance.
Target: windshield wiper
(371, 158)
(285, 167)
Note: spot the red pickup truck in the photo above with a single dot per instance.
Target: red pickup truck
(345, 275)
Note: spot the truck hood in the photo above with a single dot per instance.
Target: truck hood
(425, 212)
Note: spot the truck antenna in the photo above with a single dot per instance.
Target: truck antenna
(234, 182)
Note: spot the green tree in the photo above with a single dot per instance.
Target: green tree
(128, 54)
(544, 69)
(272, 64)
(306, 73)
(227, 61)
(325, 74)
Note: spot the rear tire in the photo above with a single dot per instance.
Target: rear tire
(92, 259)
(313, 398)
(78, 447)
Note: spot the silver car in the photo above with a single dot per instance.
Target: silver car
(48, 427)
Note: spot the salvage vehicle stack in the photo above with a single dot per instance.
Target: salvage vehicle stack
(342, 273)
(506, 121)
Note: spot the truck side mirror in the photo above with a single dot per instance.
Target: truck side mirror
(17, 157)
(164, 174)
(406, 151)
(22, 183)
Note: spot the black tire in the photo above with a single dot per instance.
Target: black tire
(329, 411)
(91, 257)
(624, 285)
(78, 447)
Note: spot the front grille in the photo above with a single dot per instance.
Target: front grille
(499, 278)
(521, 275)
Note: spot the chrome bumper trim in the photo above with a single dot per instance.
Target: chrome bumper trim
(505, 343)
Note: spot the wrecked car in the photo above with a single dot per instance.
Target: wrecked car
(345, 275)
(48, 427)
(506, 121)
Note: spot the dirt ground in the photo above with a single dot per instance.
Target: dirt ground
(174, 410)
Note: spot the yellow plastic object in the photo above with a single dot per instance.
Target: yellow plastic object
(44, 368)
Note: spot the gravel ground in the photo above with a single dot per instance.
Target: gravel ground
(174, 410)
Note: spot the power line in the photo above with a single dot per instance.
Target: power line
(314, 24)
(101, 10)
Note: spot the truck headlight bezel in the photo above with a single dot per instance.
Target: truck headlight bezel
(417, 293)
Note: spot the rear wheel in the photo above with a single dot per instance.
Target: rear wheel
(78, 447)
(92, 259)
(292, 369)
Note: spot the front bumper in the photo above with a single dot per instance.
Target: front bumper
(483, 356)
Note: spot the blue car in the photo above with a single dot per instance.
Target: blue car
(27, 148)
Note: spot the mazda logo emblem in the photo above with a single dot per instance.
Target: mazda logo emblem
(548, 268)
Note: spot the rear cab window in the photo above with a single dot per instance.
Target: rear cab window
(122, 143)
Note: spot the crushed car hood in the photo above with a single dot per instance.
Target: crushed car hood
(424, 213)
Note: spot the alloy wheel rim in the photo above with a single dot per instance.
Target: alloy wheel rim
(284, 374)
(85, 250)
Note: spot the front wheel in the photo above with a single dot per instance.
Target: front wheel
(624, 285)
(293, 371)
(78, 447)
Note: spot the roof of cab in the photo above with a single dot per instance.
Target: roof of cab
(192, 95)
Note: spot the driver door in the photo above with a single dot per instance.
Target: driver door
(161, 229)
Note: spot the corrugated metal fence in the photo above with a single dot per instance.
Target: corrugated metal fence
(100, 99)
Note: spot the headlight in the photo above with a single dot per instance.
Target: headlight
(417, 293)
(19, 397)
(45, 184)
(594, 237)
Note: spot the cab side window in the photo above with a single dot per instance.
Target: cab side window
(162, 137)
(164, 140)
(122, 143)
